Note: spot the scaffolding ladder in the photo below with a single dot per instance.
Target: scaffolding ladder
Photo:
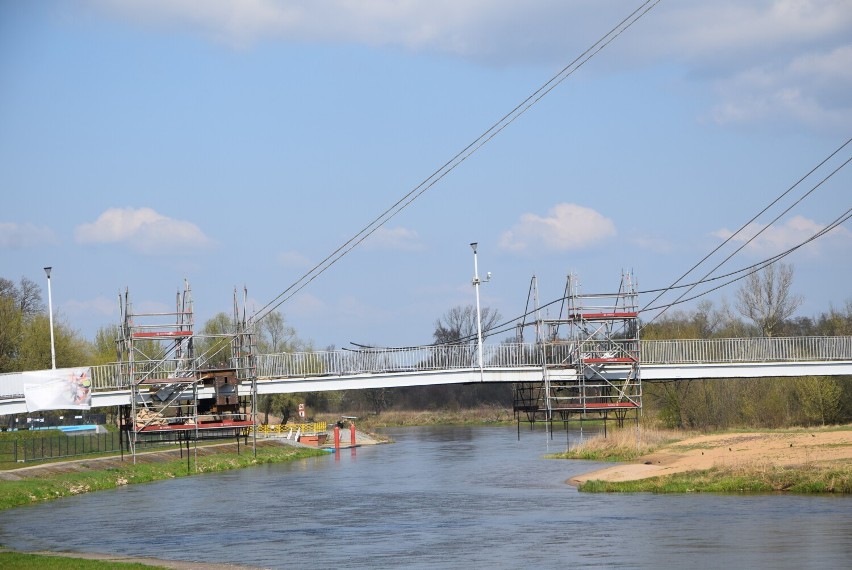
(157, 364)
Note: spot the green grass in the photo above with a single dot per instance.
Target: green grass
(49, 487)
(23, 561)
(812, 479)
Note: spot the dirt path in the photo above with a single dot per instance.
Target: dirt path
(733, 450)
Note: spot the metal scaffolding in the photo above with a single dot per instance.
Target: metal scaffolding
(590, 359)
(177, 396)
(157, 363)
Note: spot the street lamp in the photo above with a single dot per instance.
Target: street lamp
(476, 283)
(50, 313)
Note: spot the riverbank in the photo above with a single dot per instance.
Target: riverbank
(45, 482)
(802, 460)
(10, 560)
(482, 415)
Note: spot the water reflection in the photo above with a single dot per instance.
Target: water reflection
(438, 498)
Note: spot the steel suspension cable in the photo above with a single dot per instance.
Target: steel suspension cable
(457, 159)
(745, 225)
(843, 218)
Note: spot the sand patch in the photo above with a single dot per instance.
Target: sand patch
(785, 449)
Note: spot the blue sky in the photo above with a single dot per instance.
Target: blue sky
(238, 143)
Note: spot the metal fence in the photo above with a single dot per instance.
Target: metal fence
(49, 447)
(727, 350)
(414, 359)
(57, 447)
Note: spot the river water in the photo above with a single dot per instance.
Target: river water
(448, 497)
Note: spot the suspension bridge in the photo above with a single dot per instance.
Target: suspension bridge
(660, 361)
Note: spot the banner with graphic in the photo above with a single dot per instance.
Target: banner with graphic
(61, 389)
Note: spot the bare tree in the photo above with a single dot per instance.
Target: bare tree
(765, 297)
(458, 325)
(26, 296)
(277, 336)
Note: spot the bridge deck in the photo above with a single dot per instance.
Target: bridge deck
(661, 360)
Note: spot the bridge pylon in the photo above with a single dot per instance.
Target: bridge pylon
(590, 359)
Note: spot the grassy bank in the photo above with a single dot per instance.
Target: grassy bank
(24, 561)
(93, 476)
(484, 415)
(813, 479)
(622, 445)
(803, 460)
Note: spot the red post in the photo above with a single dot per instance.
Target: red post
(336, 438)
(352, 433)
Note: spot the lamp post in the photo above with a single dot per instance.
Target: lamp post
(476, 283)
(50, 314)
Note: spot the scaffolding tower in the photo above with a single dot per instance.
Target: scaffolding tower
(590, 359)
(177, 396)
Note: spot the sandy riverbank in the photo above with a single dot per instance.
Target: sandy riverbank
(754, 449)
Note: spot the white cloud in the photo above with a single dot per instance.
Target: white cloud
(307, 306)
(806, 89)
(448, 26)
(144, 230)
(293, 259)
(396, 239)
(565, 227)
(754, 53)
(20, 236)
(653, 244)
(781, 237)
(97, 306)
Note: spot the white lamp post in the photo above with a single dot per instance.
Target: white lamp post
(50, 313)
(476, 283)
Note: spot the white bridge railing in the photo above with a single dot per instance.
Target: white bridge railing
(385, 360)
(730, 350)
(435, 358)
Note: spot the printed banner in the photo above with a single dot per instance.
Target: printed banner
(61, 389)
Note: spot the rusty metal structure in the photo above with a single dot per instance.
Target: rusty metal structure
(590, 359)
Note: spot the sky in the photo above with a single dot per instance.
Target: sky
(235, 144)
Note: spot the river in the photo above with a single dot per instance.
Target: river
(444, 497)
